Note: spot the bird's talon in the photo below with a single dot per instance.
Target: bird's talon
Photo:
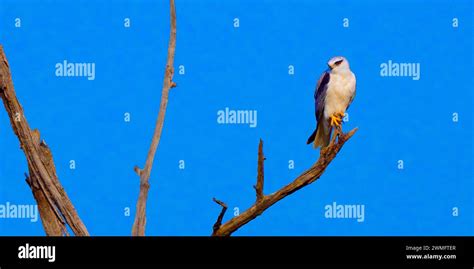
(335, 120)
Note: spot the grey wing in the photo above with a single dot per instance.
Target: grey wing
(320, 95)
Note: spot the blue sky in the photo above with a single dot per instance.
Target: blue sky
(245, 68)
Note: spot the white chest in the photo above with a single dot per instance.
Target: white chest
(340, 90)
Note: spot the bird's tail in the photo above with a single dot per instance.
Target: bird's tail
(320, 136)
(311, 137)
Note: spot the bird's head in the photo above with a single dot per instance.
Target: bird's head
(338, 63)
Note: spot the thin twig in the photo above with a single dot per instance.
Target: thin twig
(218, 223)
(138, 228)
(54, 205)
(260, 172)
(309, 176)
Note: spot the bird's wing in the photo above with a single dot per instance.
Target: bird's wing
(350, 101)
(320, 95)
(352, 97)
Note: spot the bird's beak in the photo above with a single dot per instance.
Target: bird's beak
(330, 66)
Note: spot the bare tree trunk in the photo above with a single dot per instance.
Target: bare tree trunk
(54, 205)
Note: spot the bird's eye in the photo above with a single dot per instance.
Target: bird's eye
(338, 62)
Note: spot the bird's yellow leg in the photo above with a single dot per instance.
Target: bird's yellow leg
(335, 120)
(341, 115)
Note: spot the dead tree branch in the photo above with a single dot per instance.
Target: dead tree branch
(265, 201)
(54, 205)
(218, 223)
(52, 221)
(138, 228)
(260, 172)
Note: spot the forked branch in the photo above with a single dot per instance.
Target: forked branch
(263, 202)
(218, 223)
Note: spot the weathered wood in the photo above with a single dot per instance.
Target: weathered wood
(139, 224)
(309, 176)
(54, 205)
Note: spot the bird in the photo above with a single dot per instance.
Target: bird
(334, 93)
